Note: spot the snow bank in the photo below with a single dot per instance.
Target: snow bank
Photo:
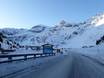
(95, 52)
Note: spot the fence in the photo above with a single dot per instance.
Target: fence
(17, 57)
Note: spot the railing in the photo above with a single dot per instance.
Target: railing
(17, 57)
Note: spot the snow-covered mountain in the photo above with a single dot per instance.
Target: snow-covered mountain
(6, 44)
(63, 34)
(97, 20)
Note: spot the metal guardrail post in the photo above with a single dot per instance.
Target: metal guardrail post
(34, 56)
(10, 59)
(25, 57)
(40, 55)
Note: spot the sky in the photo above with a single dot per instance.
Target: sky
(28, 13)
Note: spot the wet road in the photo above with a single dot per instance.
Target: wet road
(73, 65)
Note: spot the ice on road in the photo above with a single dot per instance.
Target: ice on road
(73, 65)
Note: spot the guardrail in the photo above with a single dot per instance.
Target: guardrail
(17, 57)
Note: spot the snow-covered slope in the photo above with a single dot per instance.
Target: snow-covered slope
(39, 35)
(93, 30)
(6, 44)
(98, 20)
(64, 34)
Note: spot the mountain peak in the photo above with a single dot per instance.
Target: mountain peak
(97, 20)
(64, 23)
(38, 28)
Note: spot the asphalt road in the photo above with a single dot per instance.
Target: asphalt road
(73, 65)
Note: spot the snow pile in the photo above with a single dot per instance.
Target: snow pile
(94, 52)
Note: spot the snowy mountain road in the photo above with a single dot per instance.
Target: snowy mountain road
(73, 65)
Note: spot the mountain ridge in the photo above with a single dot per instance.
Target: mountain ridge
(64, 34)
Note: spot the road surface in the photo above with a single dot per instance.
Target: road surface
(73, 65)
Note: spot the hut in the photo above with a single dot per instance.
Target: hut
(47, 48)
